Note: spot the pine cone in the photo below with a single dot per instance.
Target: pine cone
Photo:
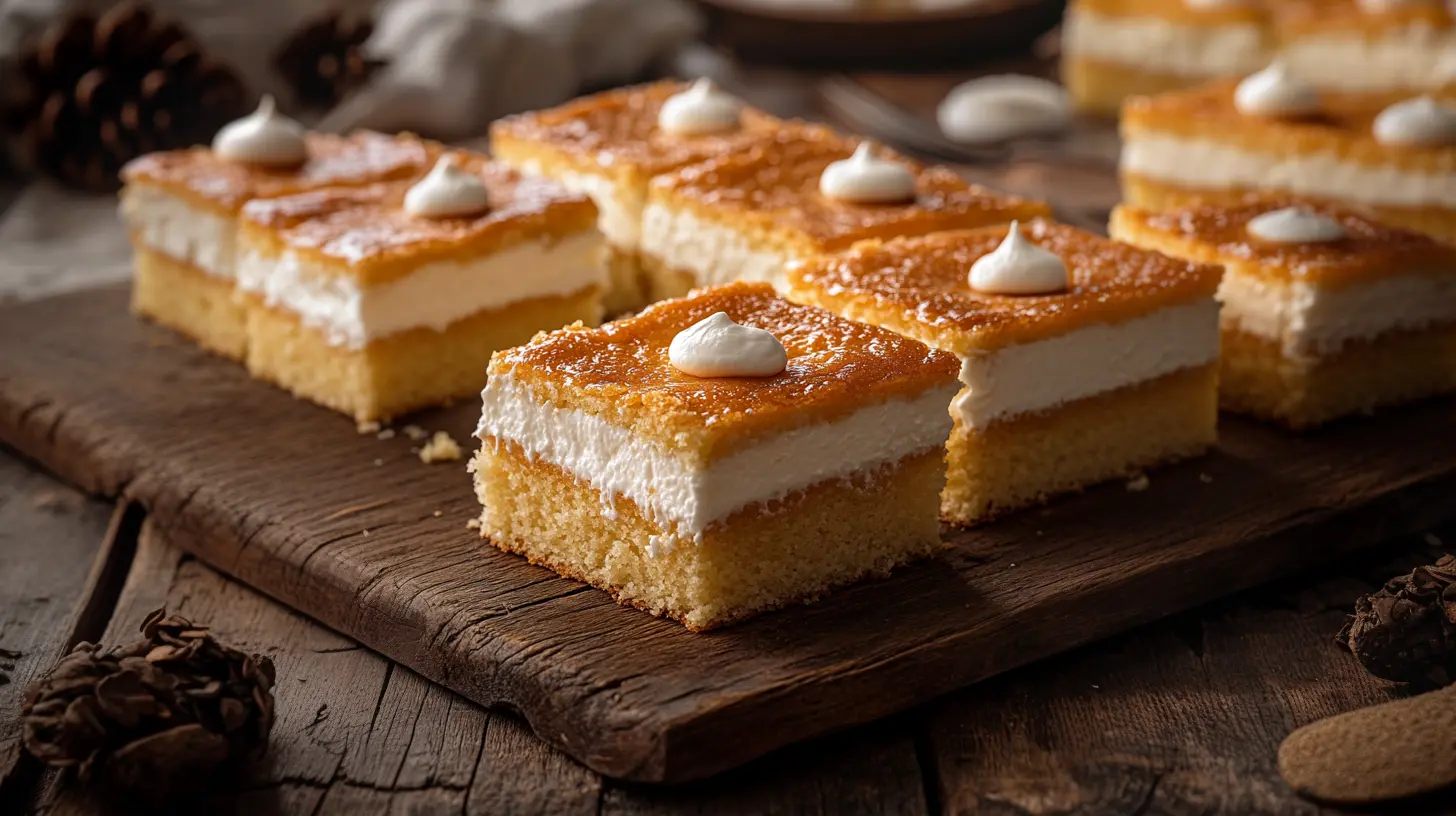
(96, 92)
(154, 719)
(1406, 631)
(324, 60)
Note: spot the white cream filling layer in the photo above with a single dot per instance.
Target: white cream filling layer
(1313, 321)
(181, 231)
(619, 215)
(432, 296)
(682, 496)
(714, 254)
(1212, 165)
(1032, 377)
(1154, 44)
(1414, 58)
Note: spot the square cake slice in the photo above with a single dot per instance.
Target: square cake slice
(1368, 46)
(379, 300)
(1397, 160)
(1325, 312)
(1113, 49)
(808, 192)
(711, 496)
(1082, 359)
(182, 209)
(610, 145)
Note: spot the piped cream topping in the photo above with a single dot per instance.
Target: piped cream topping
(1019, 267)
(864, 178)
(264, 137)
(702, 108)
(1274, 92)
(1295, 225)
(447, 191)
(718, 347)
(1419, 122)
(997, 108)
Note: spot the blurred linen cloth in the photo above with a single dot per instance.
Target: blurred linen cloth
(453, 65)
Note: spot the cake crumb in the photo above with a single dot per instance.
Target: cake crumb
(387, 433)
(415, 432)
(379, 463)
(1205, 478)
(441, 448)
(439, 513)
(365, 533)
(369, 427)
(1138, 483)
(473, 524)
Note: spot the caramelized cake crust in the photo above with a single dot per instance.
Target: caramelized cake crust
(365, 234)
(618, 129)
(621, 372)
(1219, 235)
(208, 180)
(773, 189)
(920, 286)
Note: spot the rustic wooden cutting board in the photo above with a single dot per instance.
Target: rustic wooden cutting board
(360, 534)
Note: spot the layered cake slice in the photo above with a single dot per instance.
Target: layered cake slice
(1369, 46)
(1082, 359)
(1325, 312)
(716, 456)
(808, 192)
(610, 145)
(379, 300)
(1113, 49)
(1274, 132)
(182, 209)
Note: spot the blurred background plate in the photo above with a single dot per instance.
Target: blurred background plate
(844, 33)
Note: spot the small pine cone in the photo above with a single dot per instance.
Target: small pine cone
(324, 61)
(96, 92)
(156, 719)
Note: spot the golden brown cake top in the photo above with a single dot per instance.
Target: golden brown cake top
(621, 372)
(1343, 128)
(1177, 11)
(921, 286)
(1299, 18)
(774, 188)
(360, 158)
(1219, 235)
(365, 232)
(619, 128)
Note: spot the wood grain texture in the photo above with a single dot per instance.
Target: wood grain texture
(50, 537)
(290, 499)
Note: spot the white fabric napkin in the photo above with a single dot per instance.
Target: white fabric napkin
(454, 65)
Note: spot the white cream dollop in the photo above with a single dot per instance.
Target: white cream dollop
(997, 108)
(1295, 225)
(447, 191)
(718, 347)
(702, 108)
(1275, 91)
(264, 137)
(1419, 122)
(1019, 267)
(864, 178)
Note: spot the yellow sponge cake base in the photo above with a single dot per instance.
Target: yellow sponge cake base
(188, 300)
(1025, 460)
(1098, 87)
(1260, 381)
(403, 372)
(761, 558)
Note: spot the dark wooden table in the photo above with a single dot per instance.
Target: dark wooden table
(1182, 716)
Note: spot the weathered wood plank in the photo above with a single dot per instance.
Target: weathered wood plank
(1183, 716)
(288, 498)
(50, 536)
